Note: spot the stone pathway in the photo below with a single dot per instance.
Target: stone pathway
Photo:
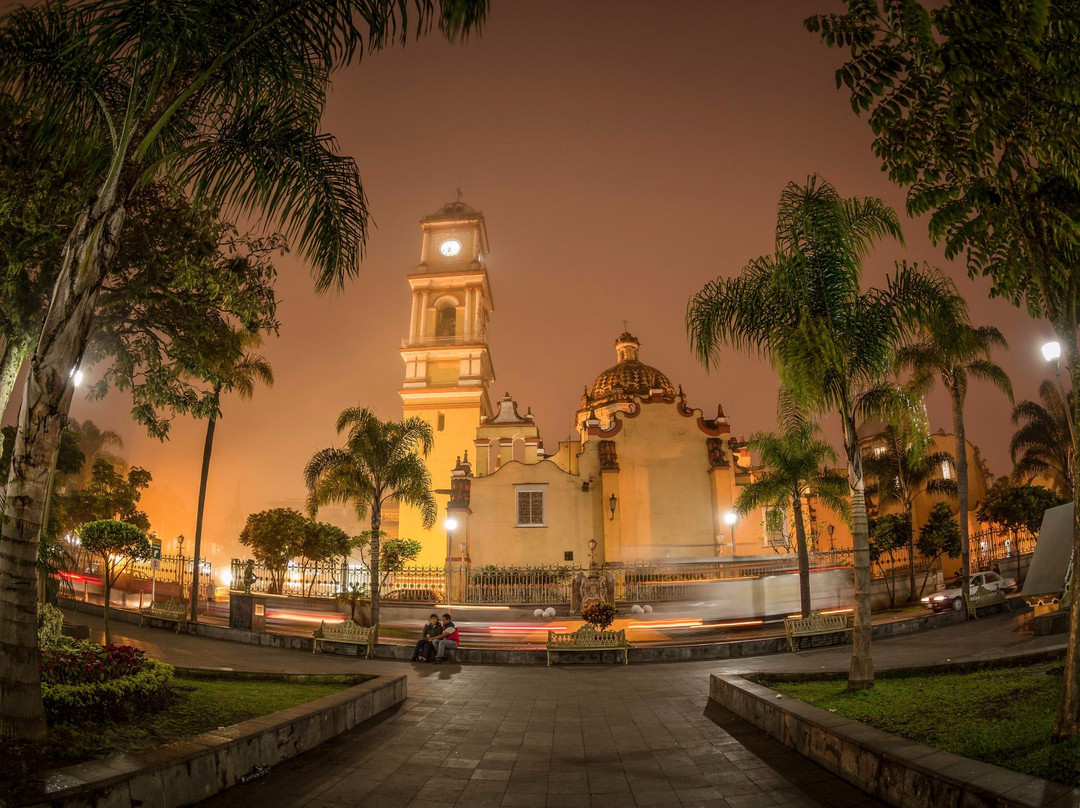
(563, 737)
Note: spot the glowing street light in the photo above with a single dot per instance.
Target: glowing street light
(730, 518)
(1051, 352)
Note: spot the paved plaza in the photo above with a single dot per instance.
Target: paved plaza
(643, 735)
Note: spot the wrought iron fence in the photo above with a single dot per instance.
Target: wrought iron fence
(174, 569)
(332, 579)
(993, 546)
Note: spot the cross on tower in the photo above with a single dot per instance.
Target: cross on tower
(626, 325)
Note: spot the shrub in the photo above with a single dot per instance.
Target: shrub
(50, 626)
(88, 663)
(111, 699)
(599, 615)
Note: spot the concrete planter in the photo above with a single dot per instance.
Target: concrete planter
(896, 771)
(185, 772)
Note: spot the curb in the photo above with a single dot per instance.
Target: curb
(535, 655)
(187, 771)
(894, 770)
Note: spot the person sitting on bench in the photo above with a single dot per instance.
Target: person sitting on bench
(425, 651)
(447, 640)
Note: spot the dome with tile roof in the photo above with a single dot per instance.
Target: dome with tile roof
(628, 377)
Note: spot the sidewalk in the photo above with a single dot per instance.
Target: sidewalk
(579, 736)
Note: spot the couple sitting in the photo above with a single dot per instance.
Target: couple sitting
(438, 639)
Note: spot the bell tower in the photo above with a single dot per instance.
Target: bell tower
(447, 362)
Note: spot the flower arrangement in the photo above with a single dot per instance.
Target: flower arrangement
(87, 663)
(599, 615)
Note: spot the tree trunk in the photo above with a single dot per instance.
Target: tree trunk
(208, 448)
(376, 526)
(804, 556)
(11, 361)
(108, 597)
(911, 550)
(46, 401)
(962, 496)
(1068, 719)
(861, 675)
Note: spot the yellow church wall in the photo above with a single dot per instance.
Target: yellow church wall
(456, 436)
(494, 536)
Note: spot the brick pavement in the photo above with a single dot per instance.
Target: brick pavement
(587, 736)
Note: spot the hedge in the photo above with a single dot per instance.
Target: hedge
(111, 700)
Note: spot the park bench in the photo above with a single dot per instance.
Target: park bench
(817, 624)
(587, 638)
(983, 598)
(345, 632)
(173, 610)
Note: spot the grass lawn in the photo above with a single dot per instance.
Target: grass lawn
(199, 705)
(1002, 716)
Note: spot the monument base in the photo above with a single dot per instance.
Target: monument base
(247, 612)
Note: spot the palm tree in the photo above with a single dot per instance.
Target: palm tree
(381, 461)
(831, 344)
(235, 370)
(1042, 445)
(907, 466)
(223, 98)
(953, 350)
(94, 443)
(795, 460)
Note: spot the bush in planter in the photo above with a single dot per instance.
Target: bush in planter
(50, 626)
(86, 682)
(599, 615)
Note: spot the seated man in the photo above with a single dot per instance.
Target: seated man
(447, 640)
(425, 651)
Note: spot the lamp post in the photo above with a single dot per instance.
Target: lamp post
(1051, 352)
(730, 518)
(180, 552)
(451, 525)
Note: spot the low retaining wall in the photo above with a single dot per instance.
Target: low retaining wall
(537, 654)
(894, 770)
(188, 771)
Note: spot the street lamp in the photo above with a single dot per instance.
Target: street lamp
(1051, 352)
(451, 525)
(180, 552)
(730, 518)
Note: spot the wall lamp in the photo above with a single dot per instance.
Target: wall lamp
(612, 502)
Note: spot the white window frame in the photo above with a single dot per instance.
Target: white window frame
(530, 489)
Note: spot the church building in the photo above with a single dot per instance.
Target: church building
(647, 477)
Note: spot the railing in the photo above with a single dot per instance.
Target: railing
(171, 569)
(333, 579)
(992, 546)
(439, 342)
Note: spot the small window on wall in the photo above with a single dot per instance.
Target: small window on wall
(946, 470)
(568, 555)
(440, 422)
(530, 507)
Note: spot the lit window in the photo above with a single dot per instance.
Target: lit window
(946, 470)
(879, 451)
(530, 507)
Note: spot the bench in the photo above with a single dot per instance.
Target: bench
(817, 624)
(346, 632)
(587, 638)
(172, 610)
(983, 598)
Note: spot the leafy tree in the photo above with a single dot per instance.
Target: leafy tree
(275, 537)
(1041, 444)
(1017, 508)
(832, 344)
(953, 351)
(116, 544)
(939, 535)
(381, 460)
(906, 468)
(110, 494)
(234, 369)
(974, 110)
(795, 461)
(94, 443)
(394, 554)
(321, 542)
(888, 534)
(224, 99)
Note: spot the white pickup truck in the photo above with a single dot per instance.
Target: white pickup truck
(951, 597)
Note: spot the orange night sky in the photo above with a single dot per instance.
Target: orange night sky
(623, 153)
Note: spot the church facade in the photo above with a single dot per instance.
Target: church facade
(647, 477)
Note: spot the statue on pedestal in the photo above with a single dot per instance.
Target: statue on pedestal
(249, 575)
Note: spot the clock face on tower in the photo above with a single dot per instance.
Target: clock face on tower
(450, 247)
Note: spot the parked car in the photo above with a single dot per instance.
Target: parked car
(952, 597)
